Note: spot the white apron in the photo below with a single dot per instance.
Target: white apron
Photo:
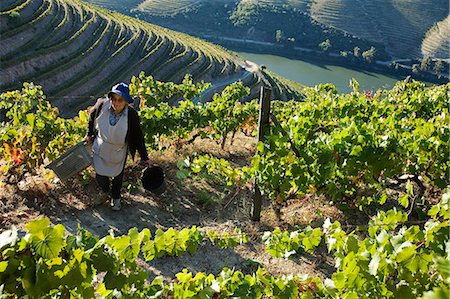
(109, 148)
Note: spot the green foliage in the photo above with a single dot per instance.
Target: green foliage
(174, 243)
(350, 145)
(442, 209)
(153, 92)
(46, 262)
(393, 260)
(279, 36)
(385, 259)
(214, 119)
(356, 51)
(438, 67)
(14, 16)
(246, 13)
(33, 133)
(215, 166)
(390, 260)
(223, 110)
(284, 244)
(425, 64)
(369, 55)
(325, 45)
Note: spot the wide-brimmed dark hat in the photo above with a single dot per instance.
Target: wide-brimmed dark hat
(122, 90)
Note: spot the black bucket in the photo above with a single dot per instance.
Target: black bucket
(153, 179)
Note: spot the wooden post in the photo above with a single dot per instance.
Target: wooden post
(263, 122)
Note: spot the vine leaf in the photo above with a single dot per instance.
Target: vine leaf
(47, 242)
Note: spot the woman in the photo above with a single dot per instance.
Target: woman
(114, 129)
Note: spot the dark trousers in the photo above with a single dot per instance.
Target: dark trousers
(106, 183)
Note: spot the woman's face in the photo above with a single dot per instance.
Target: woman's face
(118, 102)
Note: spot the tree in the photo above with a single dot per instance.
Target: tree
(14, 16)
(279, 36)
(356, 51)
(438, 67)
(369, 55)
(425, 64)
(325, 45)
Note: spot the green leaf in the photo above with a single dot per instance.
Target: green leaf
(434, 211)
(119, 244)
(383, 237)
(182, 174)
(49, 242)
(424, 261)
(409, 189)
(311, 241)
(260, 147)
(159, 113)
(114, 281)
(356, 150)
(352, 295)
(443, 266)
(37, 226)
(31, 118)
(374, 263)
(383, 198)
(339, 280)
(149, 250)
(404, 200)
(406, 253)
(103, 260)
(3, 266)
(413, 264)
(437, 293)
(404, 292)
(352, 244)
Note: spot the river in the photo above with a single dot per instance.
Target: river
(311, 74)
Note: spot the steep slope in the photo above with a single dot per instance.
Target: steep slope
(436, 42)
(164, 7)
(398, 25)
(77, 51)
(331, 12)
(116, 5)
(246, 19)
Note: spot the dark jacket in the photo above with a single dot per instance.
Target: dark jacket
(134, 138)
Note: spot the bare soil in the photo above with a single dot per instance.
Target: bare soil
(204, 201)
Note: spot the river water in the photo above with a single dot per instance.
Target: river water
(311, 74)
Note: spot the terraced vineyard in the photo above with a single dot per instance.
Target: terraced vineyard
(436, 42)
(401, 25)
(116, 5)
(164, 7)
(172, 8)
(330, 12)
(299, 4)
(77, 51)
